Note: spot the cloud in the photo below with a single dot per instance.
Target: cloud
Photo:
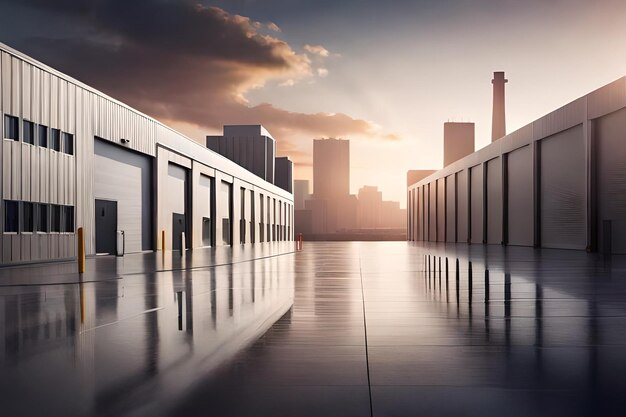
(273, 27)
(322, 72)
(186, 63)
(317, 50)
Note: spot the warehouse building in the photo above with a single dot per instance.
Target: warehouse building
(558, 182)
(74, 157)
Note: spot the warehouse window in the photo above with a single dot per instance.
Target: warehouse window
(55, 218)
(11, 127)
(29, 132)
(42, 218)
(11, 216)
(68, 219)
(28, 217)
(68, 143)
(42, 136)
(55, 140)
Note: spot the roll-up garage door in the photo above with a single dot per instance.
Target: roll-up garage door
(421, 214)
(432, 212)
(520, 197)
(462, 214)
(125, 177)
(563, 190)
(494, 201)
(450, 209)
(476, 204)
(441, 210)
(611, 150)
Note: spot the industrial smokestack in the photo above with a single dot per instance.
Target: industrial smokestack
(498, 122)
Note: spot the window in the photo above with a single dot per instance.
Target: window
(55, 218)
(42, 136)
(68, 143)
(68, 219)
(29, 132)
(28, 217)
(11, 216)
(42, 218)
(11, 127)
(55, 140)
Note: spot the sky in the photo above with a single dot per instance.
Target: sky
(385, 75)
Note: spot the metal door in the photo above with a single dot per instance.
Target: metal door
(178, 228)
(106, 226)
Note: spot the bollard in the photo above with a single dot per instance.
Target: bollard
(183, 246)
(81, 250)
(163, 241)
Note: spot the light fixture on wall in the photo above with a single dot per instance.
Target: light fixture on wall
(125, 141)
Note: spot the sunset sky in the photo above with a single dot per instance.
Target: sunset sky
(385, 75)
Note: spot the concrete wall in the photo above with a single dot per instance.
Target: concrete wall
(33, 92)
(553, 183)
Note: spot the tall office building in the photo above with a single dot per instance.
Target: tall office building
(301, 193)
(331, 169)
(458, 141)
(250, 146)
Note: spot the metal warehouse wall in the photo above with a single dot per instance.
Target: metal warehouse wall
(34, 92)
(557, 182)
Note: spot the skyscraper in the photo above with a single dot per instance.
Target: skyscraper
(331, 169)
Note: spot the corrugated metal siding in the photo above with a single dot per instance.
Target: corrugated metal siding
(607, 99)
(520, 197)
(476, 204)
(610, 137)
(563, 190)
(494, 201)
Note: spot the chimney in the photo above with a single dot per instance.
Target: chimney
(498, 123)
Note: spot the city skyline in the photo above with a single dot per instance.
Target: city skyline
(305, 75)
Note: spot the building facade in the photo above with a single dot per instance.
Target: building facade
(74, 157)
(249, 146)
(558, 182)
(458, 141)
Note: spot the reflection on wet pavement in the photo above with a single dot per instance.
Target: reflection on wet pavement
(133, 345)
(383, 329)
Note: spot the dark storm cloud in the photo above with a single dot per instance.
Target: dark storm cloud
(181, 61)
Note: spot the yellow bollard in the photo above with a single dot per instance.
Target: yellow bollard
(81, 250)
(163, 240)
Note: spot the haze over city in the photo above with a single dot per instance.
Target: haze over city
(384, 75)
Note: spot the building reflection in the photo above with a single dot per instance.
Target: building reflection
(569, 331)
(116, 345)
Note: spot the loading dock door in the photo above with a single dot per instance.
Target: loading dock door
(106, 226)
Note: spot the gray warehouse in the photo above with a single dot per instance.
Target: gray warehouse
(74, 157)
(558, 182)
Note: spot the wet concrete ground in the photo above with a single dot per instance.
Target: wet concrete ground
(340, 329)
